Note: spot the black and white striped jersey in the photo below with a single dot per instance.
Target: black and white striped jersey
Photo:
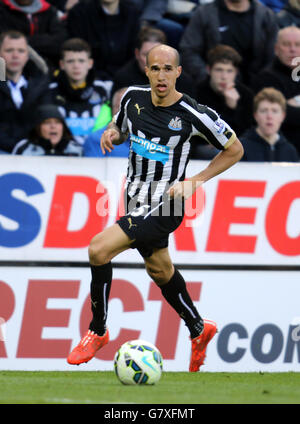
(160, 139)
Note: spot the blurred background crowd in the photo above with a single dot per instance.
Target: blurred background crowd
(66, 64)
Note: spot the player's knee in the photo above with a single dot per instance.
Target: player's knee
(97, 252)
(159, 275)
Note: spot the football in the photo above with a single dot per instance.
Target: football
(138, 362)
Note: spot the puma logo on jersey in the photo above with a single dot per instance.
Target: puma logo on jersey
(175, 124)
(139, 108)
(130, 223)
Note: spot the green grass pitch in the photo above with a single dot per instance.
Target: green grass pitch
(103, 387)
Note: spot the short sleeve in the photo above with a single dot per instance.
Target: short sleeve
(208, 125)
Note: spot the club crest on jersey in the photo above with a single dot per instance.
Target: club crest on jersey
(175, 124)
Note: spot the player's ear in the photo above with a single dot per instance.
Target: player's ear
(179, 70)
(147, 71)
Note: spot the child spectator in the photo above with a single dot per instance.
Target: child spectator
(76, 89)
(265, 143)
(222, 91)
(49, 136)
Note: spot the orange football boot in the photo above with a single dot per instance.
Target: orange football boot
(87, 347)
(199, 345)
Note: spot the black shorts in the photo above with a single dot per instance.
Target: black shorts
(150, 228)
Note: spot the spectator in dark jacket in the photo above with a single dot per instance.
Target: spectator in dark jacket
(110, 27)
(133, 72)
(222, 91)
(246, 25)
(38, 20)
(284, 75)
(19, 94)
(265, 143)
(49, 136)
(290, 14)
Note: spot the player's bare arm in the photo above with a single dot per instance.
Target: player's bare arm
(220, 163)
(110, 137)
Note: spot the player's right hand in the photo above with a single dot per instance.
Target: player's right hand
(184, 189)
(107, 138)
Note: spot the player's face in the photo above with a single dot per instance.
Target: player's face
(76, 65)
(52, 129)
(222, 76)
(15, 54)
(269, 117)
(288, 47)
(162, 71)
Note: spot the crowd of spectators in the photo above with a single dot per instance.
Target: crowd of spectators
(68, 63)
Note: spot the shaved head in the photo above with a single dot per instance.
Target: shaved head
(287, 46)
(286, 31)
(163, 69)
(165, 50)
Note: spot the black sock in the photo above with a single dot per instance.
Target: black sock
(177, 296)
(100, 289)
